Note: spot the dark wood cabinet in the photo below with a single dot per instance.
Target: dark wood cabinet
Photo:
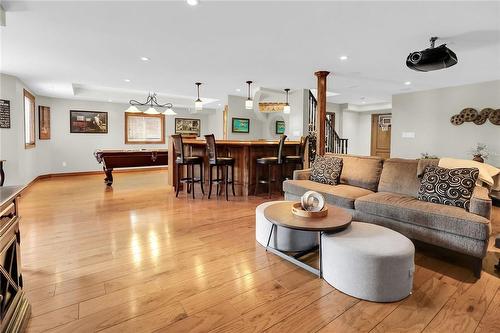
(15, 309)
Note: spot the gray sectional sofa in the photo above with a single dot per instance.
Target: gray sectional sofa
(384, 192)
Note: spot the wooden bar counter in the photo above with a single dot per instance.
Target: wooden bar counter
(245, 154)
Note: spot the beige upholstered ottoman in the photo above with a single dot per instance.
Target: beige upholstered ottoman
(284, 239)
(370, 262)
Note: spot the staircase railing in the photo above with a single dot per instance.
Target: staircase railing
(313, 103)
(333, 142)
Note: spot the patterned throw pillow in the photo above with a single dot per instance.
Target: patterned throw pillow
(326, 170)
(451, 187)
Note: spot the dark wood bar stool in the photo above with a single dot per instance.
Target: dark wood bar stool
(219, 162)
(189, 162)
(272, 163)
(297, 160)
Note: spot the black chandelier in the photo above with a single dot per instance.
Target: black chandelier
(152, 102)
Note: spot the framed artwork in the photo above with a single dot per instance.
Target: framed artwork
(143, 128)
(271, 107)
(241, 125)
(4, 113)
(88, 122)
(186, 126)
(43, 122)
(280, 127)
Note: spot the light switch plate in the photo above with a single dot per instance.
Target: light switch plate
(408, 135)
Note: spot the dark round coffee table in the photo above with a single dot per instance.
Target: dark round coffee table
(280, 214)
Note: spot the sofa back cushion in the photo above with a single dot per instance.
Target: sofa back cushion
(424, 163)
(361, 171)
(400, 176)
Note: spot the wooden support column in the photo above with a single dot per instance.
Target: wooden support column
(321, 112)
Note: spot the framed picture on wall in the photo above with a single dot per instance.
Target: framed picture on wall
(186, 126)
(280, 127)
(143, 128)
(94, 122)
(43, 122)
(241, 125)
(4, 113)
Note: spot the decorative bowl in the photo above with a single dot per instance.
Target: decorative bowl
(297, 210)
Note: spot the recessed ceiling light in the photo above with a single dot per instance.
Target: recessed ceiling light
(407, 83)
(238, 89)
(126, 80)
(219, 104)
(110, 100)
(144, 58)
(344, 57)
(193, 2)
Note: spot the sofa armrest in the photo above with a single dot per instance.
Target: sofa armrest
(480, 203)
(301, 174)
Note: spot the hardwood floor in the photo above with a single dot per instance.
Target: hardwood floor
(133, 258)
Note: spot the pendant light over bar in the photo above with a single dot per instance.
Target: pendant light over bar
(249, 101)
(198, 104)
(286, 108)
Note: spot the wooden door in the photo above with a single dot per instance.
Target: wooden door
(381, 138)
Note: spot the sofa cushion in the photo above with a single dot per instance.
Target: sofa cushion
(408, 209)
(339, 195)
(451, 187)
(361, 171)
(326, 170)
(399, 176)
(424, 163)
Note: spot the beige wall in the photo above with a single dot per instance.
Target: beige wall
(262, 125)
(427, 115)
(22, 165)
(65, 151)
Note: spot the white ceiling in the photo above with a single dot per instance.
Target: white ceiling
(55, 46)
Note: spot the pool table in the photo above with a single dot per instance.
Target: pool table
(129, 158)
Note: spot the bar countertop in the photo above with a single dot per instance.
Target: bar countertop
(8, 193)
(244, 153)
(241, 142)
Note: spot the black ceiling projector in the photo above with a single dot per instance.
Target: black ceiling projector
(432, 59)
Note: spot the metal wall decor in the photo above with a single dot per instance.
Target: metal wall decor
(478, 118)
